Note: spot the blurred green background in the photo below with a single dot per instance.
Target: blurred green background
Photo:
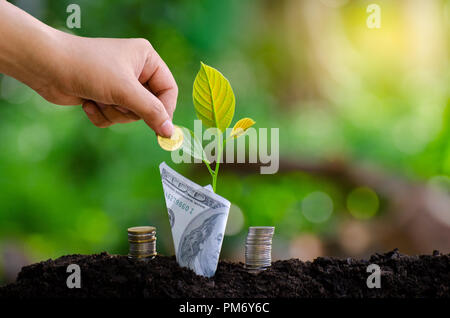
(364, 118)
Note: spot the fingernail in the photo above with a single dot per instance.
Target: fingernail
(166, 128)
(89, 109)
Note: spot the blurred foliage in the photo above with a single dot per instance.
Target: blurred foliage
(336, 89)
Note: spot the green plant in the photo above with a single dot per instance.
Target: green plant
(214, 104)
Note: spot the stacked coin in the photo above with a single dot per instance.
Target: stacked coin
(142, 241)
(258, 247)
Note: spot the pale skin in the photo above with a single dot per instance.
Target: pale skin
(115, 80)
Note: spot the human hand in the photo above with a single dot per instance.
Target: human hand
(116, 80)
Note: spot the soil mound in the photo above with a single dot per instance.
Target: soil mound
(113, 276)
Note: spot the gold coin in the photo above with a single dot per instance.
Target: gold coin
(174, 142)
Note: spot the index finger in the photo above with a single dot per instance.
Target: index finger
(160, 81)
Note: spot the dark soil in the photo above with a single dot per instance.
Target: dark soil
(105, 275)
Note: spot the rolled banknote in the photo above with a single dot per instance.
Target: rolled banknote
(198, 218)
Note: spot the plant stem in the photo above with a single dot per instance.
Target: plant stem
(214, 179)
(209, 167)
(219, 155)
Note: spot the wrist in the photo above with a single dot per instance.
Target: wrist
(30, 50)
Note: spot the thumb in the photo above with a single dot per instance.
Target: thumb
(142, 102)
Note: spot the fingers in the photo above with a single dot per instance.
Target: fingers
(146, 105)
(157, 76)
(95, 115)
(114, 115)
(123, 110)
(103, 116)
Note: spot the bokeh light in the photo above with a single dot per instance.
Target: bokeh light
(354, 237)
(317, 207)
(235, 221)
(306, 247)
(362, 203)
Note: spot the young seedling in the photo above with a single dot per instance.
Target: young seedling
(214, 104)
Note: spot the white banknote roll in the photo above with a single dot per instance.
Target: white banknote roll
(198, 218)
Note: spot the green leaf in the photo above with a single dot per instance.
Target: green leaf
(192, 146)
(241, 127)
(213, 97)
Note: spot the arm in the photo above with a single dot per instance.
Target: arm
(116, 80)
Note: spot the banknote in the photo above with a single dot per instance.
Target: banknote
(198, 218)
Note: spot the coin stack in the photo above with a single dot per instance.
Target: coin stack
(142, 241)
(258, 248)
